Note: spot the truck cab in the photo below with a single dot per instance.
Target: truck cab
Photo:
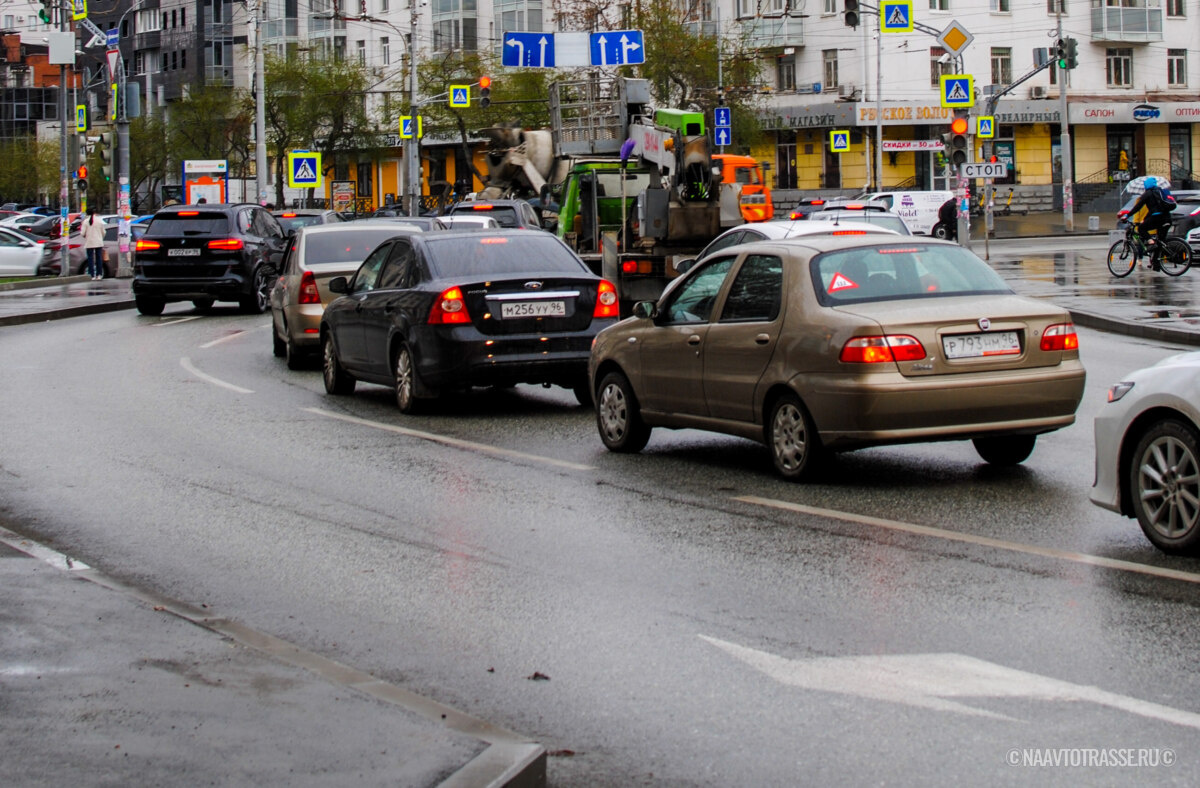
(755, 201)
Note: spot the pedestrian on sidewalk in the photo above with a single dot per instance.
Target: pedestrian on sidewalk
(93, 228)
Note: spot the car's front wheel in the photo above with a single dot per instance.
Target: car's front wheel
(618, 417)
(792, 438)
(256, 302)
(1164, 482)
(337, 379)
(1005, 449)
(148, 305)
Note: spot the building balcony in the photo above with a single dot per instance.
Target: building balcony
(1130, 25)
(772, 32)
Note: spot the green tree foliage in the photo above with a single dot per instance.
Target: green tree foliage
(39, 172)
(150, 159)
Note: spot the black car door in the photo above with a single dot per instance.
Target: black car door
(382, 310)
(347, 314)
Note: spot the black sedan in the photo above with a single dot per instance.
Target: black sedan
(447, 311)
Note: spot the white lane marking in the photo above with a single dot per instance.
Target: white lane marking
(455, 442)
(928, 680)
(41, 552)
(234, 335)
(984, 541)
(176, 321)
(186, 363)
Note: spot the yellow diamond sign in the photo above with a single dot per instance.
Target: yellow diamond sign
(955, 38)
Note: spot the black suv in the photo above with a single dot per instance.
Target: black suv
(507, 213)
(207, 253)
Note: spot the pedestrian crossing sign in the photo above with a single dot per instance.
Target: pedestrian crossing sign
(460, 95)
(839, 141)
(985, 126)
(411, 127)
(895, 16)
(304, 169)
(958, 90)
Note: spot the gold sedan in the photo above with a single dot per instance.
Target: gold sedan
(825, 344)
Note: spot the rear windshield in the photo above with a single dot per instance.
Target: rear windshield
(188, 223)
(505, 215)
(902, 271)
(485, 254)
(289, 223)
(346, 247)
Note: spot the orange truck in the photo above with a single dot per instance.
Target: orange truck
(756, 194)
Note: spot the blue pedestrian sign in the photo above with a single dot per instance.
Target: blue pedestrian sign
(839, 141)
(528, 50)
(304, 169)
(958, 90)
(985, 126)
(722, 116)
(411, 127)
(460, 95)
(617, 48)
(895, 16)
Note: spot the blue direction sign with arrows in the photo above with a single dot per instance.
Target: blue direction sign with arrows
(617, 48)
(722, 116)
(529, 50)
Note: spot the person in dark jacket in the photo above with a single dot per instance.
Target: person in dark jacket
(1158, 207)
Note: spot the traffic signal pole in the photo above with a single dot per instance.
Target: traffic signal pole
(1064, 136)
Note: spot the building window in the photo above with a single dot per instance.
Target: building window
(1175, 8)
(785, 74)
(384, 7)
(746, 8)
(831, 7)
(183, 17)
(1001, 65)
(361, 46)
(362, 182)
(829, 56)
(1119, 67)
(999, 6)
(939, 5)
(1177, 67)
(183, 59)
(940, 64)
(1056, 7)
(385, 50)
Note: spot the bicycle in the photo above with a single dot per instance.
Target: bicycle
(1172, 255)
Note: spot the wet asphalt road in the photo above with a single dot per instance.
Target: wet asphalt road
(693, 631)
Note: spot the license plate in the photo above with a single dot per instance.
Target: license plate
(993, 343)
(183, 253)
(533, 309)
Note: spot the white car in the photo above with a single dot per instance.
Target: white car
(1148, 452)
(18, 255)
(781, 228)
(20, 218)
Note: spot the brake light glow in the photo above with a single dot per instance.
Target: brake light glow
(849, 232)
(493, 240)
(873, 350)
(853, 206)
(146, 245)
(1060, 336)
(448, 308)
(188, 213)
(606, 300)
(309, 294)
(629, 266)
(483, 206)
(226, 244)
(288, 216)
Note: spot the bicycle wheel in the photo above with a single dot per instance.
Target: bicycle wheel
(1176, 256)
(1121, 258)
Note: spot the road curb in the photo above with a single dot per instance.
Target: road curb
(52, 281)
(72, 311)
(1142, 331)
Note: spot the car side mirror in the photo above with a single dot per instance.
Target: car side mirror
(338, 284)
(645, 309)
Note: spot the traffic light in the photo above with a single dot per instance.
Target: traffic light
(957, 144)
(485, 91)
(1060, 53)
(47, 12)
(81, 173)
(106, 154)
(851, 15)
(81, 184)
(1071, 55)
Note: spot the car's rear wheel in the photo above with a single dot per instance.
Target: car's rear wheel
(1176, 257)
(1164, 483)
(278, 346)
(792, 438)
(406, 381)
(256, 302)
(1005, 449)
(337, 379)
(618, 417)
(295, 359)
(203, 304)
(148, 305)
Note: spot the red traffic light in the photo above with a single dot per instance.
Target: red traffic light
(959, 125)
(82, 171)
(485, 82)
(993, 160)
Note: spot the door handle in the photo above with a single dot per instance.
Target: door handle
(762, 339)
(693, 340)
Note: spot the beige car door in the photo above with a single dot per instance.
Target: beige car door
(672, 354)
(741, 341)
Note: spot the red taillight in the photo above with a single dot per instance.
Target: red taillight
(188, 213)
(872, 350)
(606, 300)
(287, 216)
(629, 267)
(226, 244)
(849, 232)
(309, 294)
(481, 206)
(1060, 337)
(146, 245)
(449, 308)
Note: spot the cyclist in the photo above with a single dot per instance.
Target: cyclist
(1158, 205)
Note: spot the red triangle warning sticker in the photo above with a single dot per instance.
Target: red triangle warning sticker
(841, 283)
